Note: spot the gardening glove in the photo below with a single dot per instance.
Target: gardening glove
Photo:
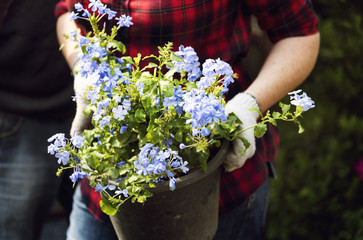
(80, 121)
(240, 105)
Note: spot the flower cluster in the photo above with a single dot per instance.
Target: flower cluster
(153, 117)
(301, 100)
(152, 160)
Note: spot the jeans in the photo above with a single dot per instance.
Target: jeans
(246, 221)
(28, 181)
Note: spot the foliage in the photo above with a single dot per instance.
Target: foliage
(318, 194)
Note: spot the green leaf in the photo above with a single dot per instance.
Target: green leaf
(114, 173)
(107, 207)
(167, 88)
(174, 57)
(128, 59)
(92, 161)
(190, 85)
(203, 159)
(276, 115)
(133, 178)
(273, 121)
(150, 65)
(87, 110)
(285, 108)
(140, 115)
(118, 45)
(256, 110)
(170, 73)
(155, 136)
(301, 129)
(260, 129)
(246, 143)
(179, 136)
(88, 135)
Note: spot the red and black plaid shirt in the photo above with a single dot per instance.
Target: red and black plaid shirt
(215, 29)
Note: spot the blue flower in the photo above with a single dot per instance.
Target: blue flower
(103, 104)
(172, 183)
(121, 164)
(111, 187)
(78, 6)
(205, 131)
(124, 21)
(93, 95)
(126, 104)
(117, 98)
(223, 68)
(78, 175)
(83, 40)
(95, 5)
(170, 101)
(73, 35)
(52, 149)
(63, 157)
(190, 63)
(99, 188)
(204, 109)
(208, 68)
(77, 141)
(182, 146)
(119, 112)
(95, 50)
(123, 129)
(140, 86)
(301, 100)
(206, 82)
(59, 142)
(123, 192)
(105, 121)
(73, 16)
(213, 68)
(111, 14)
(184, 167)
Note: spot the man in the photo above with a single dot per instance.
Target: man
(215, 29)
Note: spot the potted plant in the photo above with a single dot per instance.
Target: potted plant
(157, 123)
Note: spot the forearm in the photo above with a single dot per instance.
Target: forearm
(289, 63)
(69, 50)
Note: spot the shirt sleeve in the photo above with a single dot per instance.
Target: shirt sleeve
(285, 18)
(60, 8)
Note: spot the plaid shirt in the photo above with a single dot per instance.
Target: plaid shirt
(215, 29)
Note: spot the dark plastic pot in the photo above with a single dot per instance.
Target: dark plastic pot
(188, 213)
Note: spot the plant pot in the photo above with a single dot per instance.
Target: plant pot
(190, 212)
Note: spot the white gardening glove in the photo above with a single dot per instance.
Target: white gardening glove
(80, 121)
(240, 105)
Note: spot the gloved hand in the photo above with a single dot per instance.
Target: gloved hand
(240, 105)
(80, 121)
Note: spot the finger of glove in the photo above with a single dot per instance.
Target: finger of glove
(80, 121)
(79, 124)
(235, 159)
(81, 85)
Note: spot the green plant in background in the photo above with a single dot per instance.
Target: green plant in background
(319, 194)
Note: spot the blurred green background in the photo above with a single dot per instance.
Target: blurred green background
(318, 193)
